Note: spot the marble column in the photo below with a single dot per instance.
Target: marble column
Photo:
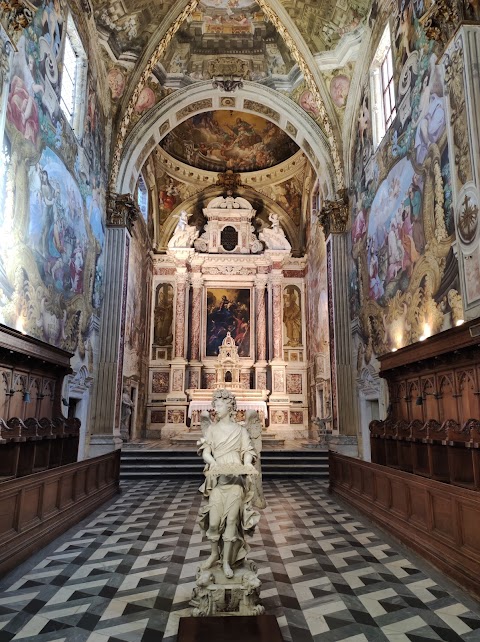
(180, 315)
(261, 334)
(176, 401)
(277, 316)
(195, 368)
(107, 391)
(279, 402)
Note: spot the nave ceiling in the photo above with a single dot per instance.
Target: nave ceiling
(152, 49)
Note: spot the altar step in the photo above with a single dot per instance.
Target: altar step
(189, 439)
(177, 464)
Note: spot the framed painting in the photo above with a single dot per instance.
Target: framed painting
(228, 310)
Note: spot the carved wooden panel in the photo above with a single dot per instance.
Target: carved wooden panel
(439, 521)
(36, 509)
(468, 394)
(448, 403)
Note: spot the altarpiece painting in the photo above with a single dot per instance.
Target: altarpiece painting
(228, 310)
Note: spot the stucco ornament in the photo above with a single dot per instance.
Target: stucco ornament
(227, 582)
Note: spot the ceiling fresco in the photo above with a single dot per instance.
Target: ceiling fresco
(322, 24)
(228, 31)
(127, 25)
(221, 140)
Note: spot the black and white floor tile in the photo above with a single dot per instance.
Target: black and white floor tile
(127, 575)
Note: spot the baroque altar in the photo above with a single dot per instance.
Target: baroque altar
(234, 277)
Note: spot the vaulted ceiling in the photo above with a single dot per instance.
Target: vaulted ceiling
(154, 48)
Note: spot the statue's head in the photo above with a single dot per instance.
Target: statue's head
(228, 398)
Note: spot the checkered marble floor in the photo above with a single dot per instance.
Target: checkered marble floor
(128, 574)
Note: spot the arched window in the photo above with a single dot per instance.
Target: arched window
(142, 196)
(382, 88)
(73, 81)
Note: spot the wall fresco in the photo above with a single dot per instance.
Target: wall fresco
(402, 217)
(135, 317)
(52, 191)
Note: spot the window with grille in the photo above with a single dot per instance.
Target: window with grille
(229, 238)
(142, 197)
(73, 80)
(382, 88)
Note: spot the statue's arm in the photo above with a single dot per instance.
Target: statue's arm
(208, 458)
(248, 450)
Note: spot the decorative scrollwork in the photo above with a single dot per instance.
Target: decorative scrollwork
(333, 216)
(441, 21)
(17, 16)
(122, 211)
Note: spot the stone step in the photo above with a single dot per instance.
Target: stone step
(191, 439)
(165, 464)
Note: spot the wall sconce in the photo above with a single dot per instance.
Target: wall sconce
(10, 393)
(419, 401)
(26, 397)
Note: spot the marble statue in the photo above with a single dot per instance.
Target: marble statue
(227, 582)
(127, 407)
(274, 237)
(184, 234)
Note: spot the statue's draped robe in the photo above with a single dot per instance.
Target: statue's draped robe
(229, 446)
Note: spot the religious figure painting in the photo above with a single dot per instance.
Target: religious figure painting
(163, 315)
(221, 140)
(396, 238)
(228, 310)
(292, 316)
(57, 225)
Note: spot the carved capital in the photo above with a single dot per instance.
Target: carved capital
(122, 211)
(196, 281)
(16, 17)
(86, 7)
(333, 217)
(261, 283)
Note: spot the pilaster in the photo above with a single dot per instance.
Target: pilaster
(279, 402)
(344, 398)
(461, 63)
(107, 392)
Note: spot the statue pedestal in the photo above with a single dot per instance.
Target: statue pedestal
(217, 595)
(262, 628)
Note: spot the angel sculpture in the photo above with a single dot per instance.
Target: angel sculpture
(184, 234)
(230, 487)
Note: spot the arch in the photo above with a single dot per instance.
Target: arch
(294, 41)
(252, 98)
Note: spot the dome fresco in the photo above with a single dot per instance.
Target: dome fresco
(221, 140)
